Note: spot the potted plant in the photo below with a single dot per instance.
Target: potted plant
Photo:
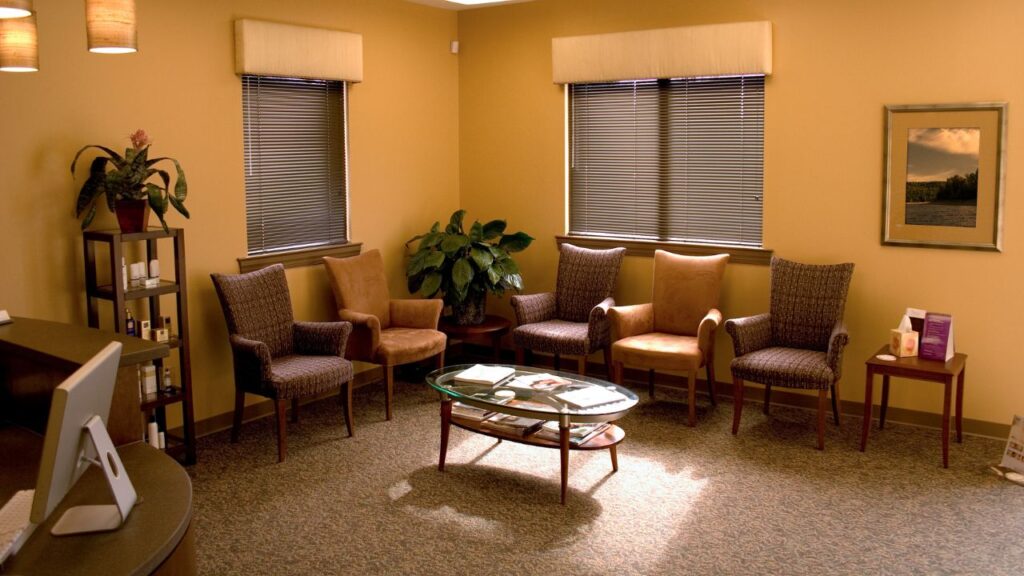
(464, 267)
(126, 182)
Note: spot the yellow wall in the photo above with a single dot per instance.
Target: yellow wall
(181, 87)
(836, 64)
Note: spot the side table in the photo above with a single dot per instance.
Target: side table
(918, 369)
(493, 326)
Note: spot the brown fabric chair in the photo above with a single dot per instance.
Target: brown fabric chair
(799, 343)
(385, 331)
(273, 355)
(571, 320)
(675, 332)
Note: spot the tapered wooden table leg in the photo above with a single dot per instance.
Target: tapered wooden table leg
(945, 421)
(960, 406)
(446, 424)
(884, 407)
(563, 440)
(868, 400)
(615, 458)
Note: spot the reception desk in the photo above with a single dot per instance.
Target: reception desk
(37, 355)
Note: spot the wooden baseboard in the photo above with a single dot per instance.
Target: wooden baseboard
(367, 373)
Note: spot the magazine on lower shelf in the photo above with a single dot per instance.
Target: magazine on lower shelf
(517, 425)
(578, 433)
(467, 412)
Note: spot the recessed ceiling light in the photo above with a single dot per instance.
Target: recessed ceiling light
(471, 2)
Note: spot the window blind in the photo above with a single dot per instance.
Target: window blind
(295, 163)
(670, 160)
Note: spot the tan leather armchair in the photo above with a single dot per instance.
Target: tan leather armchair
(676, 331)
(385, 331)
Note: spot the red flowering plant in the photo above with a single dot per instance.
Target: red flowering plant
(130, 177)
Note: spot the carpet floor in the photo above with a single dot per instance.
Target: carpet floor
(684, 501)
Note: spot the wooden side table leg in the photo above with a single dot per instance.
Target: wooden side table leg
(945, 420)
(868, 399)
(885, 402)
(563, 441)
(615, 457)
(960, 405)
(446, 423)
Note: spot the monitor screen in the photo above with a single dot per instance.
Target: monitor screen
(86, 393)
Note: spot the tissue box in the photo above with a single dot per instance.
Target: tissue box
(902, 344)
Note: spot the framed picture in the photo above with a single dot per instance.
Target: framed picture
(944, 175)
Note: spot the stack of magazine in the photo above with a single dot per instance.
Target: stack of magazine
(482, 374)
(472, 413)
(578, 433)
(590, 396)
(514, 425)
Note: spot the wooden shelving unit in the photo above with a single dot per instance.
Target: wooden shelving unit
(112, 289)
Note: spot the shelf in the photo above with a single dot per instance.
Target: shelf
(107, 291)
(151, 233)
(609, 437)
(151, 402)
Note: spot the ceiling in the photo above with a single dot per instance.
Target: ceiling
(453, 6)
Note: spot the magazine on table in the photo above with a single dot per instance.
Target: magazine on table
(542, 382)
(467, 412)
(517, 425)
(578, 433)
(483, 374)
(590, 396)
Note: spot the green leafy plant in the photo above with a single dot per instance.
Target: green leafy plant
(459, 265)
(127, 177)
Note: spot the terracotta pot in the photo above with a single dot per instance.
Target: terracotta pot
(132, 215)
(470, 311)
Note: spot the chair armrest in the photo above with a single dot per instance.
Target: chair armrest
(836, 343)
(706, 331)
(530, 308)
(598, 327)
(632, 320)
(749, 334)
(411, 313)
(252, 362)
(321, 338)
(365, 336)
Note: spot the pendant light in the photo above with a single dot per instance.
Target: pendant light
(19, 45)
(110, 25)
(15, 8)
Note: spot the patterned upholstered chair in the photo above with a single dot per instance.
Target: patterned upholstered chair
(385, 331)
(571, 320)
(676, 331)
(799, 343)
(275, 356)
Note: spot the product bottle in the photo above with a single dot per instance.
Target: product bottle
(124, 274)
(167, 379)
(129, 325)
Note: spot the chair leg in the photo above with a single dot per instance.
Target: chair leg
(440, 359)
(581, 365)
(767, 397)
(737, 403)
(822, 402)
(836, 403)
(389, 376)
(236, 424)
(295, 410)
(617, 370)
(711, 380)
(281, 406)
(608, 360)
(345, 398)
(650, 383)
(691, 386)
(558, 361)
(520, 356)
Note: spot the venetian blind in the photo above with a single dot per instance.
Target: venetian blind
(670, 160)
(295, 163)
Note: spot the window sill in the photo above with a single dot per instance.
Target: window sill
(737, 255)
(297, 258)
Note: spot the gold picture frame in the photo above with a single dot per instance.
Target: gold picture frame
(944, 173)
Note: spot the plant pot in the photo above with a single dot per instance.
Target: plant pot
(470, 311)
(132, 215)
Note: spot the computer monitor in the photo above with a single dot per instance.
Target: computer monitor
(76, 437)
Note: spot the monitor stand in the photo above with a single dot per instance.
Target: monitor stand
(101, 518)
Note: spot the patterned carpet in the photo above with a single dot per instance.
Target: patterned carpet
(685, 501)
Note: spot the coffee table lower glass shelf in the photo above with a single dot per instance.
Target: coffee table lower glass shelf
(524, 407)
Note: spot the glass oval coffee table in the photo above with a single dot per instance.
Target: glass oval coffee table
(549, 409)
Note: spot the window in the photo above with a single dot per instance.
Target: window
(678, 160)
(296, 163)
